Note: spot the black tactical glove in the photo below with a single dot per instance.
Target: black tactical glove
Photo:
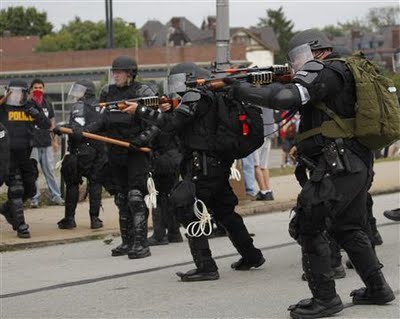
(56, 130)
(31, 110)
(77, 133)
(235, 87)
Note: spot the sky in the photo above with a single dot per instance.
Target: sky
(244, 13)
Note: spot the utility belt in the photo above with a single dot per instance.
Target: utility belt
(334, 158)
(201, 161)
(82, 148)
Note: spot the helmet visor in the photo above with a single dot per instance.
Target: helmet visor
(177, 83)
(76, 92)
(17, 97)
(299, 56)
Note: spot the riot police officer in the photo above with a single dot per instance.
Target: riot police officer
(128, 168)
(19, 115)
(165, 161)
(335, 196)
(205, 173)
(86, 157)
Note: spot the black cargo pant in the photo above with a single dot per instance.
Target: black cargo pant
(337, 204)
(20, 180)
(83, 161)
(217, 194)
(129, 172)
(163, 216)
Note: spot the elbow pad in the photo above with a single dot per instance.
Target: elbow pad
(149, 115)
(189, 102)
(146, 136)
(274, 96)
(287, 98)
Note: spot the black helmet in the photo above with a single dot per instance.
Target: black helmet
(126, 63)
(315, 38)
(19, 84)
(192, 71)
(90, 87)
(342, 51)
(183, 72)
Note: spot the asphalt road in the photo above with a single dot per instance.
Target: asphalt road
(82, 281)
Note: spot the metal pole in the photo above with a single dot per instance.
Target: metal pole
(222, 34)
(111, 24)
(107, 25)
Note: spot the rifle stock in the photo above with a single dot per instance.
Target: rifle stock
(104, 139)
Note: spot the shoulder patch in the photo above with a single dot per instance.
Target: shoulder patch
(312, 66)
(191, 96)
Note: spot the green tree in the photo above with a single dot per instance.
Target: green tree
(333, 30)
(24, 21)
(382, 17)
(89, 35)
(283, 29)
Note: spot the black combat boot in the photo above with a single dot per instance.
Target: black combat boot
(324, 303)
(140, 248)
(159, 230)
(71, 201)
(126, 229)
(23, 231)
(315, 308)
(252, 257)
(377, 292)
(206, 266)
(67, 223)
(16, 215)
(95, 222)
(94, 205)
(316, 259)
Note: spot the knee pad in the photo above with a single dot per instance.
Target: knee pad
(136, 200)
(15, 187)
(316, 245)
(120, 200)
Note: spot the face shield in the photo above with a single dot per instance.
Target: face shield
(76, 92)
(177, 83)
(17, 96)
(299, 56)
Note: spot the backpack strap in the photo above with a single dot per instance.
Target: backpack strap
(337, 128)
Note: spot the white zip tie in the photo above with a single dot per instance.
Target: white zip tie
(203, 226)
(151, 198)
(235, 173)
(59, 163)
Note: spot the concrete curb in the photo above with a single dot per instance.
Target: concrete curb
(248, 208)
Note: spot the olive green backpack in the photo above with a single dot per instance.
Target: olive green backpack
(377, 120)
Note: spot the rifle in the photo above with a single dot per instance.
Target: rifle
(267, 75)
(150, 101)
(276, 69)
(66, 130)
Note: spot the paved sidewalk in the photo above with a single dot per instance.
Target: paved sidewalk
(43, 221)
